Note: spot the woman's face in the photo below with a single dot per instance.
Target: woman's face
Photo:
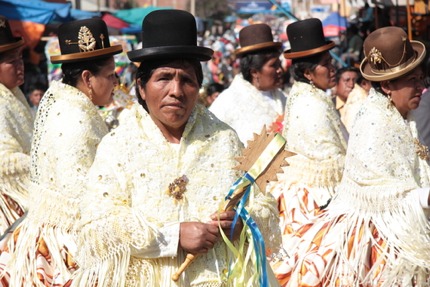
(345, 84)
(35, 97)
(12, 69)
(171, 94)
(405, 92)
(323, 76)
(103, 84)
(270, 75)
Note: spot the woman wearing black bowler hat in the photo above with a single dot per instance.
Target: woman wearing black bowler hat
(375, 232)
(16, 127)
(158, 179)
(39, 250)
(313, 131)
(254, 98)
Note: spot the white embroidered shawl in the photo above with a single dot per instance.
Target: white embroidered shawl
(312, 130)
(16, 127)
(68, 129)
(127, 205)
(246, 109)
(381, 168)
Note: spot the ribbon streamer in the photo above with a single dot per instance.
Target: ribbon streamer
(245, 183)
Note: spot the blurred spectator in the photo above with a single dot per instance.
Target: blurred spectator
(35, 94)
(216, 70)
(422, 113)
(354, 101)
(212, 92)
(355, 46)
(345, 82)
(366, 17)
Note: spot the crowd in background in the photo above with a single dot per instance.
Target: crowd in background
(346, 109)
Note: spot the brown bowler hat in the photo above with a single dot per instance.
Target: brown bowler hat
(7, 40)
(83, 40)
(389, 54)
(306, 39)
(254, 38)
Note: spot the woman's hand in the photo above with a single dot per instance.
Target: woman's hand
(197, 237)
(225, 221)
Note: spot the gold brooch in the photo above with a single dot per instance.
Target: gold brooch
(375, 56)
(2, 24)
(86, 40)
(421, 150)
(178, 187)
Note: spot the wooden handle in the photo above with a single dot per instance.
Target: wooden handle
(188, 260)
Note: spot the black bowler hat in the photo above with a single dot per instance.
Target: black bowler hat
(172, 34)
(7, 40)
(306, 39)
(83, 40)
(256, 37)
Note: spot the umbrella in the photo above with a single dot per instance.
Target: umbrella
(135, 16)
(334, 24)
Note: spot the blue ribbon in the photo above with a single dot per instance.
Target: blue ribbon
(245, 183)
(257, 237)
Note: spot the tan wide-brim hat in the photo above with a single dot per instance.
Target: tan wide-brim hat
(255, 38)
(389, 54)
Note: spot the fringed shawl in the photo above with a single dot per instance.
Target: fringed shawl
(16, 127)
(381, 169)
(68, 129)
(127, 206)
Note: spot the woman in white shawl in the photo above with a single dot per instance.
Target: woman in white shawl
(375, 231)
(16, 127)
(158, 180)
(313, 131)
(254, 98)
(68, 129)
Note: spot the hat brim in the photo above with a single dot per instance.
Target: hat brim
(390, 74)
(19, 42)
(198, 53)
(257, 47)
(79, 57)
(306, 53)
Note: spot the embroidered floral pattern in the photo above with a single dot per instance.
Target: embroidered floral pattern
(421, 150)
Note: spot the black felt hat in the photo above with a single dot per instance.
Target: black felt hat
(169, 33)
(306, 39)
(83, 40)
(256, 37)
(7, 40)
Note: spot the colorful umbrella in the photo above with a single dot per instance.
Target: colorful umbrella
(334, 24)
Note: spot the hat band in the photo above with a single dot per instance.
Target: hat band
(395, 69)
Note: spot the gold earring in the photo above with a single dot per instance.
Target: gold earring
(390, 99)
(90, 94)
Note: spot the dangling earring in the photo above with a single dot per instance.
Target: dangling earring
(390, 99)
(258, 83)
(312, 85)
(90, 94)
